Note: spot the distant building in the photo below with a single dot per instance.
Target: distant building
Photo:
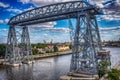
(63, 47)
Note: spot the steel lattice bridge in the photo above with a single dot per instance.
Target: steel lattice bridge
(85, 37)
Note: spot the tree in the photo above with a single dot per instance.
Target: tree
(103, 67)
(39, 45)
(55, 48)
(113, 74)
(2, 49)
(70, 46)
(35, 51)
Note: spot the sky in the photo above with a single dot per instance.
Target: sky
(58, 31)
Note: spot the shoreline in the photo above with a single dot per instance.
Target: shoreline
(46, 55)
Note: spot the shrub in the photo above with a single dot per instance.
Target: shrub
(113, 74)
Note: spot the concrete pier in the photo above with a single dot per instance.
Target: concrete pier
(28, 62)
(12, 64)
(79, 76)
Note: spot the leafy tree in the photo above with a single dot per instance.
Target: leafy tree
(113, 74)
(70, 46)
(49, 51)
(2, 49)
(35, 51)
(103, 67)
(39, 45)
(55, 48)
(33, 45)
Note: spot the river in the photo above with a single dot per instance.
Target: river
(47, 68)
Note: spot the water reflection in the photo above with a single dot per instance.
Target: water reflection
(24, 72)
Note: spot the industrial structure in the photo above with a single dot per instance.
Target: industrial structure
(85, 36)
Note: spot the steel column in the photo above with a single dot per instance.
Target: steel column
(25, 45)
(86, 43)
(12, 50)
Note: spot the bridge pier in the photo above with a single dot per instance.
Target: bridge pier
(25, 46)
(12, 56)
(18, 52)
(85, 45)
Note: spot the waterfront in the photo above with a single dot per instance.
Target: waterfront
(47, 69)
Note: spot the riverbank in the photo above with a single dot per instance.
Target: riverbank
(46, 55)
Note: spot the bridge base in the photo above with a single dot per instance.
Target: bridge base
(12, 64)
(78, 76)
(28, 62)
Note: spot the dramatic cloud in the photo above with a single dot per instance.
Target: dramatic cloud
(24, 1)
(111, 10)
(42, 2)
(112, 33)
(3, 5)
(14, 10)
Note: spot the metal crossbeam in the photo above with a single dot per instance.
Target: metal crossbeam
(53, 12)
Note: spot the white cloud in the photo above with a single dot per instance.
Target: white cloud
(1, 21)
(62, 30)
(24, 1)
(29, 8)
(4, 29)
(3, 5)
(42, 2)
(110, 17)
(112, 28)
(46, 25)
(112, 33)
(14, 10)
(5, 21)
(48, 36)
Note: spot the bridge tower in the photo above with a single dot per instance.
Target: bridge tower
(18, 52)
(86, 43)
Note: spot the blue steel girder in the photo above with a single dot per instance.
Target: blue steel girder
(54, 12)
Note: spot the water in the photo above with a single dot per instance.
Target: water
(46, 69)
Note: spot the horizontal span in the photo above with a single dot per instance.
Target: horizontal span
(54, 12)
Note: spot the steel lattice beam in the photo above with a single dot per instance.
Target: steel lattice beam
(53, 12)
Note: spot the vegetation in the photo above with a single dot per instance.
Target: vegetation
(49, 51)
(39, 45)
(35, 51)
(70, 46)
(103, 67)
(113, 74)
(2, 50)
(55, 48)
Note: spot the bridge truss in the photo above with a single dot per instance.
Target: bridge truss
(85, 37)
